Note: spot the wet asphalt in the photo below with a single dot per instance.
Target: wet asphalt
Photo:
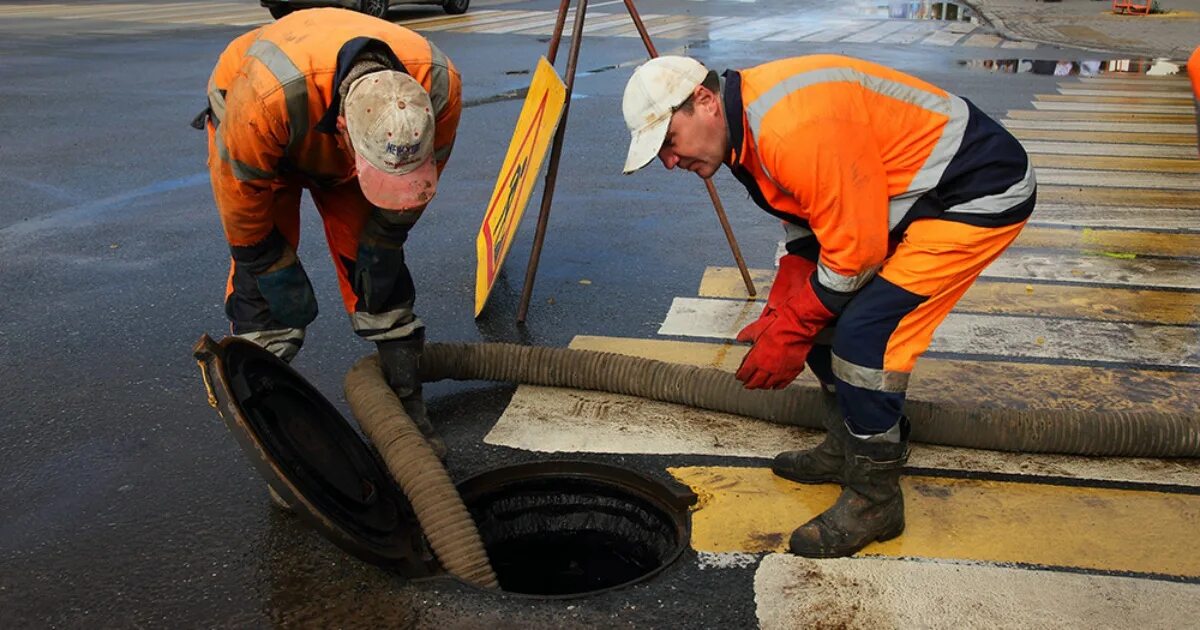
(124, 502)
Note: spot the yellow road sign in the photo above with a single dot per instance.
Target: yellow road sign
(535, 128)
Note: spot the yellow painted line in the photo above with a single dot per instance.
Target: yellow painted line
(1176, 94)
(751, 510)
(1105, 136)
(1016, 298)
(1117, 100)
(472, 19)
(955, 380)
(1115, 163)
(1092, 194)
(1038, 114)
(1122, 241)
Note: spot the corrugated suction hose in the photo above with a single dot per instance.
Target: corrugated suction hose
(1117, 434)
(444, 518)
(453, 534)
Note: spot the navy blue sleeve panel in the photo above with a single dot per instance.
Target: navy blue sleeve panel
(988, 162)
(835, 301)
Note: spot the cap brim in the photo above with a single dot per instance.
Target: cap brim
(391, 191)
(644, 145)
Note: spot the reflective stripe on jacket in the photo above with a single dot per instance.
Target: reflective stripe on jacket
(849, 153)
(273, 102)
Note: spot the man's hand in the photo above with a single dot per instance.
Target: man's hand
(781, 344)
(793, 270)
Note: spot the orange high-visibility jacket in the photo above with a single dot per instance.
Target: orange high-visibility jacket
(848, 153)
(273, 105)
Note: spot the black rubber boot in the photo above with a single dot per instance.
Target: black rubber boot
(822, 464)
(401, 360)
(871, 506)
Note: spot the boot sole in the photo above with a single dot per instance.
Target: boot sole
(884, 537)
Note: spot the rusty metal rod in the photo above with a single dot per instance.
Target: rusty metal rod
(712, 190)
(733, 244)
(558, 29)
(552, 169)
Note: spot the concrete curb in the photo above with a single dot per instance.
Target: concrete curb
(997, 23)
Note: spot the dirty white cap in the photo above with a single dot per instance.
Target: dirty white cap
(656, 88)
(389, 118)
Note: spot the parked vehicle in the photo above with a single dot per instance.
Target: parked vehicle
(377, 8)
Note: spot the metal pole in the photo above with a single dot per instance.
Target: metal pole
(712, 190)
(555, 156)
(558, 29)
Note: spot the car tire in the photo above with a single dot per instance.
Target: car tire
(455, 7)
(279, 11)
(374, 8)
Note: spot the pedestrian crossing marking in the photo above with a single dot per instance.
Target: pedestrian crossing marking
(1080, 125)
(1137, 94)
(1075, 194)
(1048, 130)
(1031, 297)
(1045, 147)
(1076, 341)
(1099, 117)
(792, 592)
(1117, 163)
(780, 27)
(1101, 529)
(1156, 181)
(1113, 107)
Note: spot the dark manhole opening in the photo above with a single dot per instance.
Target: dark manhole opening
(563, 535)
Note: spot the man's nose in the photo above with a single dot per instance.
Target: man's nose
(668, 158)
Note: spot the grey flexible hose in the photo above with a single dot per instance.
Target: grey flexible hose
(1117, 434)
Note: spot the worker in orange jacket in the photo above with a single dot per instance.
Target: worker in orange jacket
(360, 112)
(894, 196)
(1193, 70)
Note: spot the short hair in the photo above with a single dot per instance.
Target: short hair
(711, 81)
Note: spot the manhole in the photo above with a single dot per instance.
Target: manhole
(564, 529)
(553, 529)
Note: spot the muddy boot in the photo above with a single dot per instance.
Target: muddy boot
(401, 360)
(822, 464)
(871, 506)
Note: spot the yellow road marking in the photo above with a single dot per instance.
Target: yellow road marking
(1096, 195)
(1015, 298)
(1114, 163)
(1120, 100)
(1038, 114)
(752, 510)
(1105, 136)
(1118, 241)
(955, 381)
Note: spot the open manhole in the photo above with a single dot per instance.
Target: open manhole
(551, 529)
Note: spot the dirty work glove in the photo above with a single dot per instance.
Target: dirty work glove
(781, 346)
(793, 270)
(401, 362)
(288, 293)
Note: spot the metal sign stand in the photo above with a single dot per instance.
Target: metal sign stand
(556, 150)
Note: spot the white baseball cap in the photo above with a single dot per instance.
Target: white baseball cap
(389, 118)
(656, 88)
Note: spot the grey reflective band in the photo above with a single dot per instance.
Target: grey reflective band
(999, 202)
(242, 171)
(283, 343)
(870, 378)
(216, 102)
(931, 171)
(295, 88)
(793, 232)
(442, 154)
(835, 281)
(392, 324)
(439, 83)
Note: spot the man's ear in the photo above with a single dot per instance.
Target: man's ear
(341, 124)
(705, 98)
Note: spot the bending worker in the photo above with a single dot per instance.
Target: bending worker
(894, 196)
(360, 112)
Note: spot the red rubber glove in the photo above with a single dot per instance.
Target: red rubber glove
(781, 347)
(793, 270)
